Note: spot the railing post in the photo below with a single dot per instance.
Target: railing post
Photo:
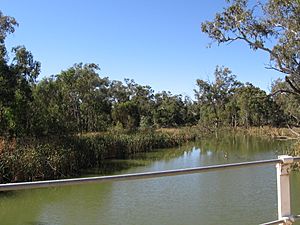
(283, 170)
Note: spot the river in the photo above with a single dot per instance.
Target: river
(242, 196)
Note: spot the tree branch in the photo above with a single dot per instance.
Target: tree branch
(295, 89)
(282, 91)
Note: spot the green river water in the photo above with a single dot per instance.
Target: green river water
(241, 197)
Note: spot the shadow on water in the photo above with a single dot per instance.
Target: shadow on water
(115, 166)
(110, 167)
(7, 194)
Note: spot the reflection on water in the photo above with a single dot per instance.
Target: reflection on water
(244, 196)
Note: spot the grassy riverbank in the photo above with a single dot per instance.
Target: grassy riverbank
(270, 132)
(29, 159)
(60, 157)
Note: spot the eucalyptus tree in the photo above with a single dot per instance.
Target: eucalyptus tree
(17, 77)
(124, 111)
(271, 26)
(169, 110)
(118, 92)
(288, 103)
(127, 114)
(85, 100)
(7, 80)
(191, 115)
(48, 109)
(7, 26)
(212, 97)
(254, 106)
(143, 97)
(132, 104)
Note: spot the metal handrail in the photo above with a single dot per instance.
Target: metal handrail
(297, 217)
(136, 176)
(296, 159)
(292, 218)
(147, 175)
(274, 222)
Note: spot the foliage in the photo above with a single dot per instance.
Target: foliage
(272, 26)
(228, 102)
(17, 79)
(213, 97)
(255, 107)
(288, 103)
(169, 110)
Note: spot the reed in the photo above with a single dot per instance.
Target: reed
(32, 159)
(272, 132)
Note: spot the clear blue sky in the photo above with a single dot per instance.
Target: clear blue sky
(154, 42)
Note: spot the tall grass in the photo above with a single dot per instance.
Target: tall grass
(273, 132)
(61, 157)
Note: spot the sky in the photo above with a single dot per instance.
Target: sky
(155, 42)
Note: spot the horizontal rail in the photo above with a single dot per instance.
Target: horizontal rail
(297, 217)
(275, 222)
(296, 159)
(292, 218)
(136, 176)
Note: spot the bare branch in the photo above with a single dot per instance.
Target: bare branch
(295, 89)
(282, 91)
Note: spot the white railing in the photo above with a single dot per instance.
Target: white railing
(283, 169)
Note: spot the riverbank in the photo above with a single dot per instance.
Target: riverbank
(270, 132)
(30, 159)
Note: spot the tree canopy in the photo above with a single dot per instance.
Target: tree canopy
(17, 78)
(272, 26)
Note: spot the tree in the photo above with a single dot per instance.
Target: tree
(143, 97)
(118, 92)
(288, 103)
(85, 99)
(7, 26)
(17, 79)
(191, 115)
(126, 113)
(254, 106)
(7, 81)
(25, 70)
(272, 26)
(169, 110)
(49, 109)
(213, 97)
(136, 100)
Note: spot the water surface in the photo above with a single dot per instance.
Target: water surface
(243, 196)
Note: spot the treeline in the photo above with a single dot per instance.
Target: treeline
(78, 100)
(228, 102)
